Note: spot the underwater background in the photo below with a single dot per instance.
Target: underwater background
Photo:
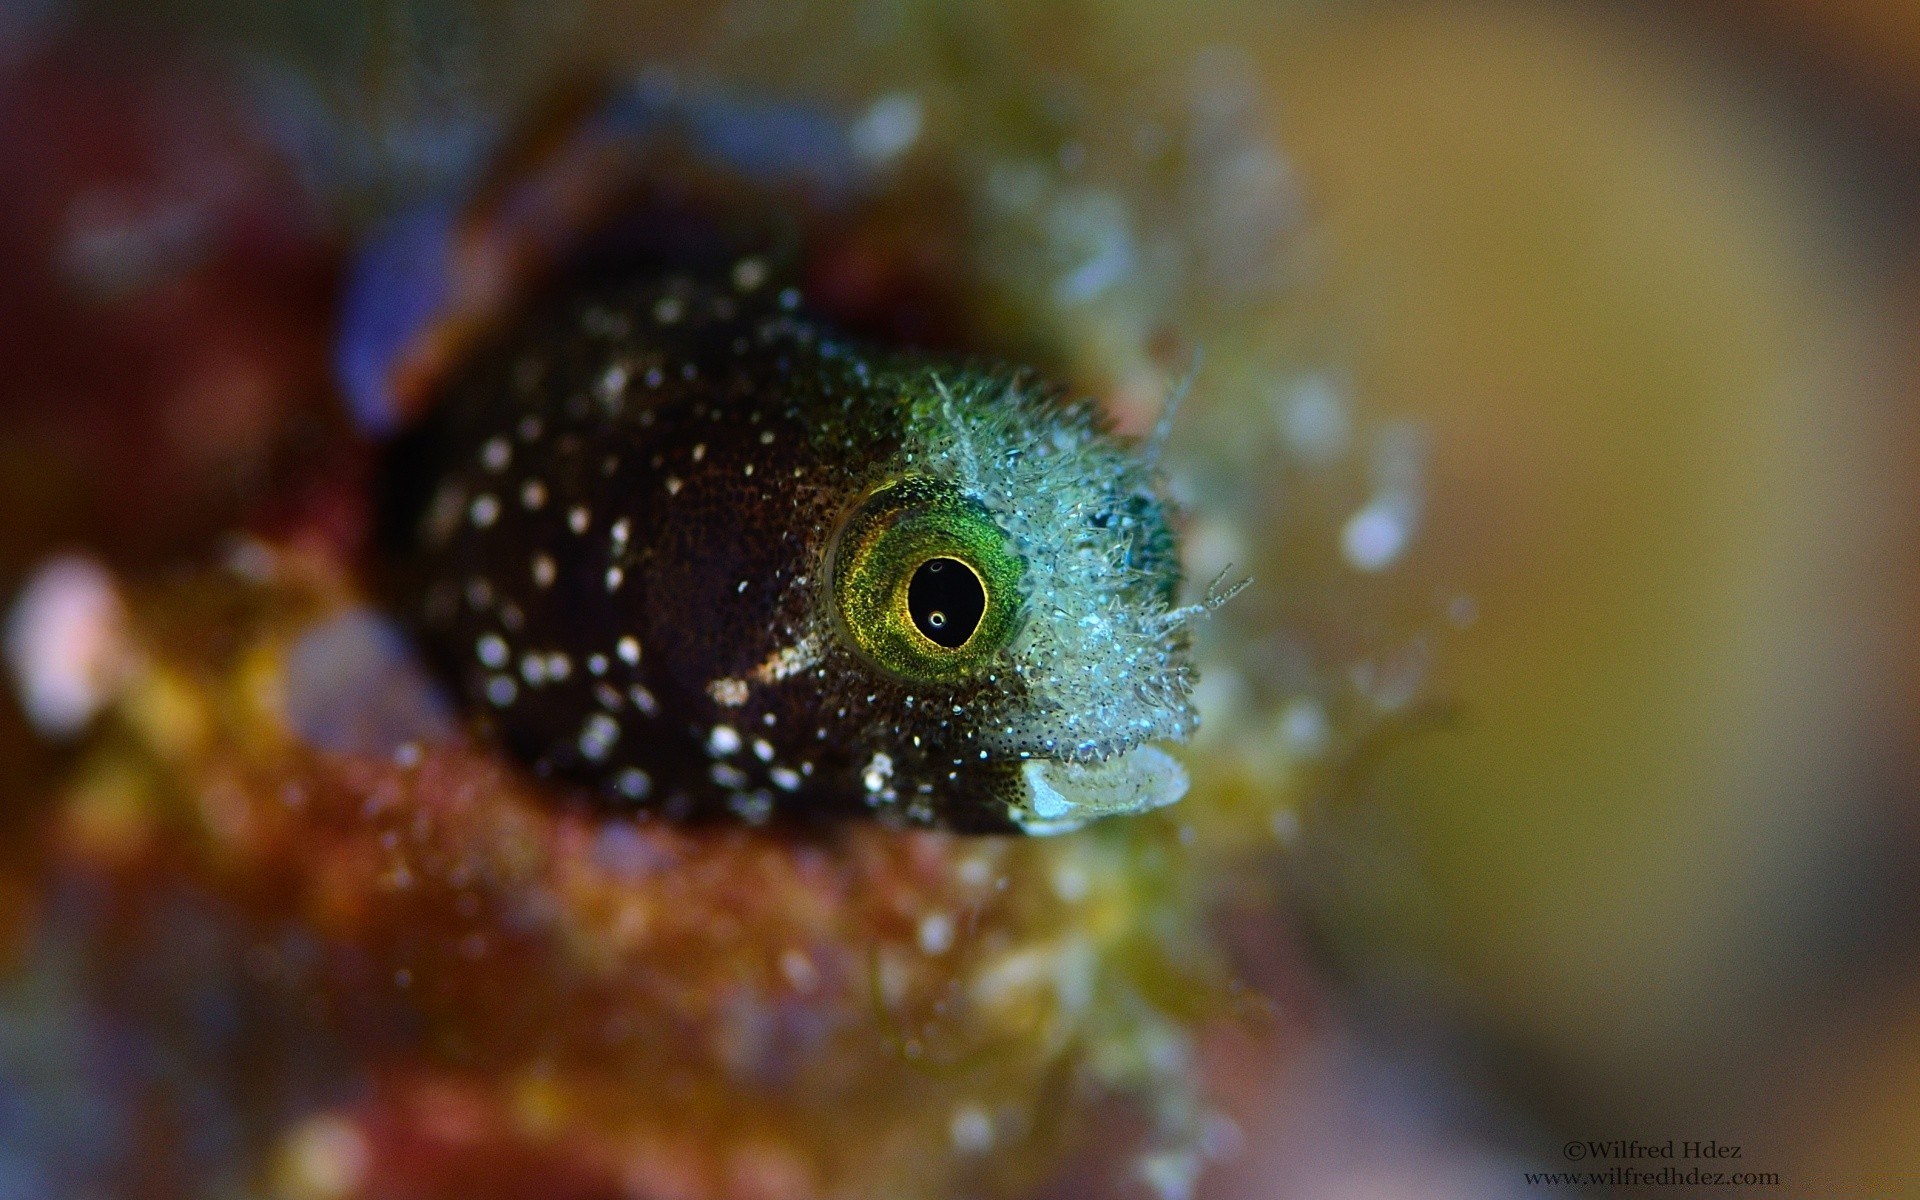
(1547, 368)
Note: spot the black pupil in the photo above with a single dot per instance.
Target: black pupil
(946, 601)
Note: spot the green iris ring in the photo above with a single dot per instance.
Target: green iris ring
(896, 529)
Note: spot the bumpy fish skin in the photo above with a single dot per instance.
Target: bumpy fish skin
(632, 550)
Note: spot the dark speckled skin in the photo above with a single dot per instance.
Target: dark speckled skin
(624, 507)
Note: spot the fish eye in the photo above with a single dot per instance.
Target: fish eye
(925, 586)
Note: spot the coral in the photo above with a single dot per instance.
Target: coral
(452, 984)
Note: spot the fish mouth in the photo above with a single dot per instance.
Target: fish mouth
(1059, 797)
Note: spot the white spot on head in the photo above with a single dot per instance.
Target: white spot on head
(727, 776)
(598, 736)
(484, 511)
(491, 650)
(728, 693)
(699, 451)
(785, 778)
(578, 518)
(559, 666)
(533, 669)
(615, 577)
(622, 530)
(501, 690)
(543, 570)
(787, 661)
(763, 750)
(597, 664)
(723, 740)
(674, 485)
(633, 783)
(628, 648)
(643, 700)
(878, 773)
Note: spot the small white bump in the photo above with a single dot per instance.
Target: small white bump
(643, 700)
(785, 778)
(559, 667)
(633, 783)
(615, 577)
(674, 485)
(607, 696)
(699, 451)
(578, 518)
(533, 495)
(501, 691)
(496, 454)
(597, 664)
(628, 648)
(728, 776)
(742, 588)
(763, 750)
(484, 511)
(533, 669)
(622, 530)
(492, 651)
(543, 570)
(724, 739)
(766, 437)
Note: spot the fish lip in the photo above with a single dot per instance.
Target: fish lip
(1061, 796)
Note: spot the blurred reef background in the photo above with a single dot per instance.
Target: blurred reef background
(1551, 375)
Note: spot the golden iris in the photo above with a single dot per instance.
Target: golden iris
(925, 585)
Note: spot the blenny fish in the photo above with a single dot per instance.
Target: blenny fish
(674, 536)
